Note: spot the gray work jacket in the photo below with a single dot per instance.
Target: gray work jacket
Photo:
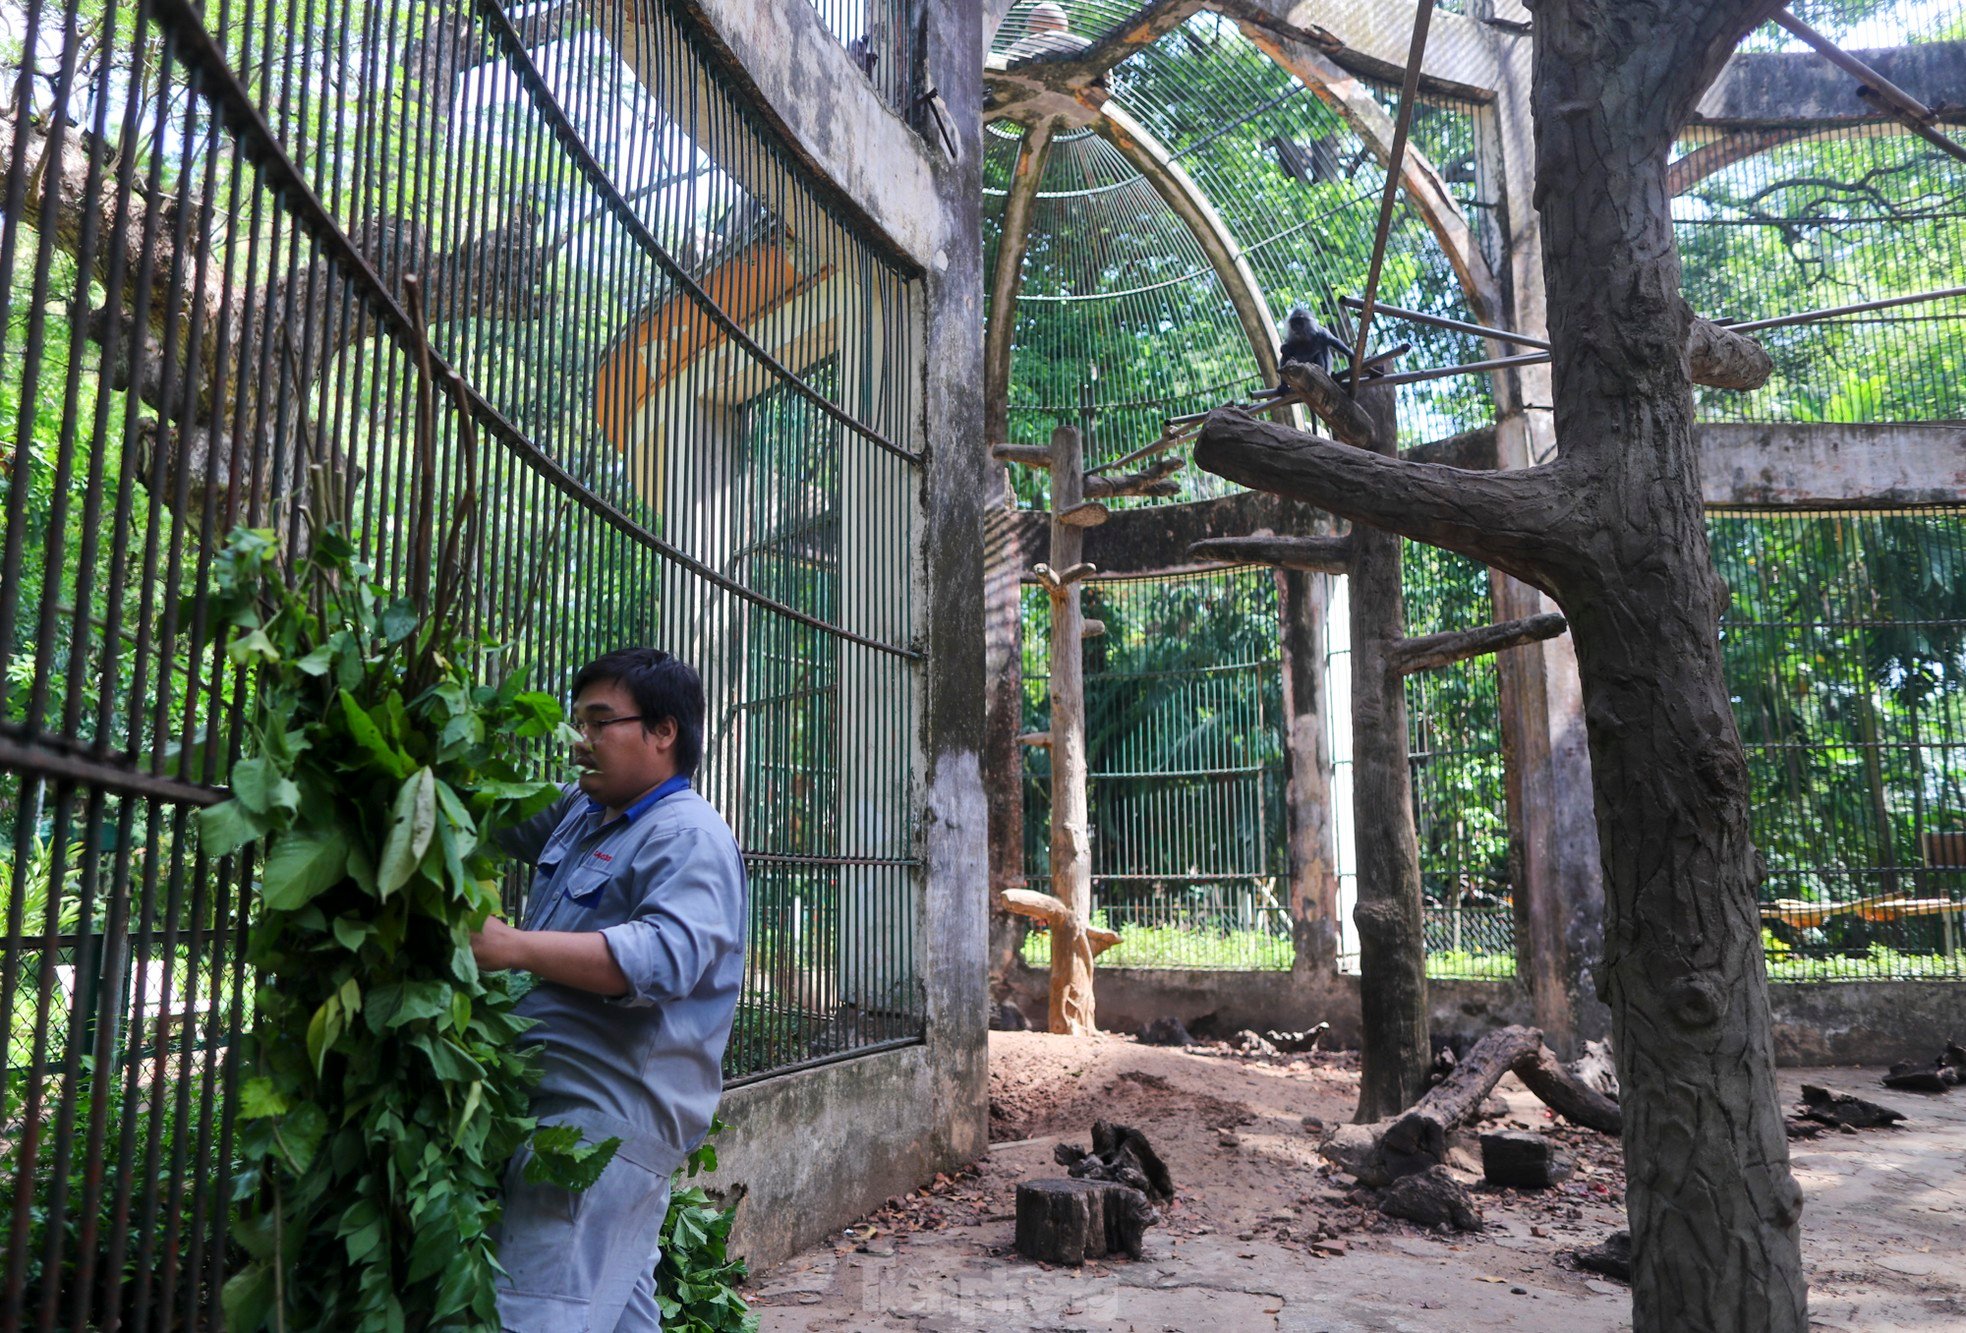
(665, 885)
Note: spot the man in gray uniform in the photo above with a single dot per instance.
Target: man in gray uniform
(635, 928)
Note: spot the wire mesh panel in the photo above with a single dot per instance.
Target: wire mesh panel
(1119, 293)
(1845, 643)
(1185, 760)
(1835, 216)
(692, 380)
(1460, 808)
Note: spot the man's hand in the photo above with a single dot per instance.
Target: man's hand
(577, 958)
(498, 946)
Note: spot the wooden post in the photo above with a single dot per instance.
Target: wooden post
(1071, 843)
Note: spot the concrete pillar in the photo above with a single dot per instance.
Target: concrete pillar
(1303, 601)
(1552, 819)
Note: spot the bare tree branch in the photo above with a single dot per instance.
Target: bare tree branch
(1043, 907)
(1523, 522)
(1333, 406)
(1433, 651)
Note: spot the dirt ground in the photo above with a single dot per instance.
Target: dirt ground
(1261, 1238)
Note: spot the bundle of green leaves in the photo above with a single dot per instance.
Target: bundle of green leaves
(696, 1279)
(384, 1093)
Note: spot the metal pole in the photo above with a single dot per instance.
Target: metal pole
(1916, 116)
(1416, 50)
(1473, 367)
(1442, 322)
(1803, 317)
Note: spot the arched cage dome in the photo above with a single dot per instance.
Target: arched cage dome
(1129, 305)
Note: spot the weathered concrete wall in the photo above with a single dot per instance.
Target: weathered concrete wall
(1225, 1002)
(810, 90)
(1805, 465)
(1843, 1022)
(812, 1151)
(815, 1149)
(1784, 87)
(1865, 1022)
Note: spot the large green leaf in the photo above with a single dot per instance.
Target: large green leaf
(226, 827)
(411, 823)
(302, 865)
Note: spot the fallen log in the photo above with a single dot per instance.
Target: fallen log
(1841, 1108)
(1383, 1151)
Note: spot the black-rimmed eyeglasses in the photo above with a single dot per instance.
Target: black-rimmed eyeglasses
(593, 726)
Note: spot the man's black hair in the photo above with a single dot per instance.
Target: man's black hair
(661, 686)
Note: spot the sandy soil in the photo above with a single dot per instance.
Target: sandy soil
(1262, 1238)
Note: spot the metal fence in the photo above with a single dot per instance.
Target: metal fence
(1819, 218)
(1845, 644)
(693, 383)
(885, 40)
(1184, 747)
(1460, 809)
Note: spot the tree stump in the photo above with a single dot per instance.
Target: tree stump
(1521, 1160)
(1070, 1221)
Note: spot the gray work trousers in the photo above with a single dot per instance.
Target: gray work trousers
(582, 1263)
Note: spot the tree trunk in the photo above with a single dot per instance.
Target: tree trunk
(1394, 1051)
(1713, 1207)
(1071, 844)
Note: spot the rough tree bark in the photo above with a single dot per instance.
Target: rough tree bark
(1395, 1052)
(1614, 530)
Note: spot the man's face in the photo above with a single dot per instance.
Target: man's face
(618, 756)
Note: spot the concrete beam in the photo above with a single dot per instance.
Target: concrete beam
(1153, 162)
(1791, 88)
(1154, 539)
(1811, 464)
(806, 86)
(1793, 465)
(1374, 38)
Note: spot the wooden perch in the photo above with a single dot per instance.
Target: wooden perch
(1035, 738)
(1058, 582)
(1723, 359)
(1043, 907)
(1319, 555)
(1415, 1140)
(1411, 656)
(1523, 521)
(1173, 435)
(1152, 480)
(1084, 514)
(1025, 455)
(1333, 406)
(1094, 628)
